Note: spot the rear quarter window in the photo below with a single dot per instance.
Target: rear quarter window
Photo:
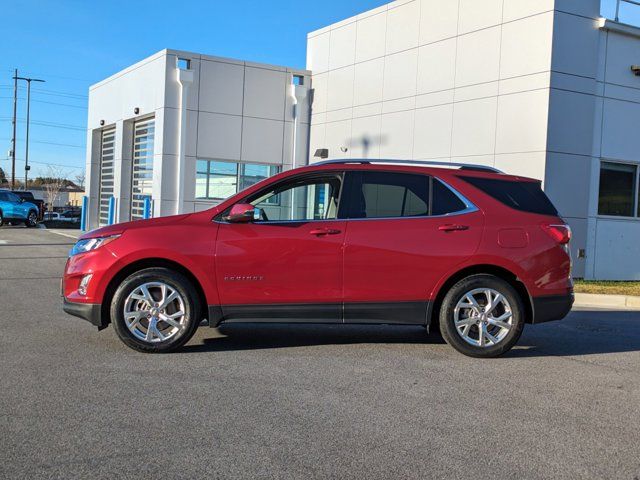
(520, 195)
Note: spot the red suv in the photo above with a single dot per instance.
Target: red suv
(463, 248)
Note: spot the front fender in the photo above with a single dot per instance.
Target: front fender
(201, 269)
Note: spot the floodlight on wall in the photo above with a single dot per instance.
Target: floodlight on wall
(344, 149)
(102, 123)
(136, 110)
(321, 153)
(636, 70)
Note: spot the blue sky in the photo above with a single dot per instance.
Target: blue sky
(74, 43)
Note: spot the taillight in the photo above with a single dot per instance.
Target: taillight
(561, 233)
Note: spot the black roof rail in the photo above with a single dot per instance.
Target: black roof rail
(461, 166)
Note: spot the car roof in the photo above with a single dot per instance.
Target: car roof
(429, 167)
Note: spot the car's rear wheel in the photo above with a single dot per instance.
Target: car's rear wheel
(155, 310)
(482, 316)
(32, 219)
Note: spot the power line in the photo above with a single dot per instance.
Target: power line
(50, 103)
(36, 74)
(45, 91)
(59, 144)
(52, 143)
(50, 164)
(58, 93)
(47, 124)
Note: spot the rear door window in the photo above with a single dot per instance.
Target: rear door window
(525, 196)
(398, 195)
(387, 195)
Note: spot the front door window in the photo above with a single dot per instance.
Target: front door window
(304, 200)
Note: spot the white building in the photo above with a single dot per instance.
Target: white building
(542, 88)
(187, 130)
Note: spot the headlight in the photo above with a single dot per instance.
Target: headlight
(83, 246)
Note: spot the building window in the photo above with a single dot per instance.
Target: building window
(184, 63)
(619, 186)
(217, 180)
(298, 80)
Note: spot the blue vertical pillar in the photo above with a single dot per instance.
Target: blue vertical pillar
(112, 210)
(83, 214)
(147, 208)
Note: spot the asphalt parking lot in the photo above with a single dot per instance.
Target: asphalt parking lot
(259, 401)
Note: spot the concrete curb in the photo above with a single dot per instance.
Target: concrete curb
(626, 302)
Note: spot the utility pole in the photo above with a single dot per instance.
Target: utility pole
(26, 158)
(13, 139)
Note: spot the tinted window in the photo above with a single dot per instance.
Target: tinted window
(385, 195)
(617, 192)
(3, 197)
(444, 200)
(12, 197)
(521, 195)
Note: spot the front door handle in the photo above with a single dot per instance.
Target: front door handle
(324, 231)
(452, 228)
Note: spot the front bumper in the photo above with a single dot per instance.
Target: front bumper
(92, 312)
(553, 307)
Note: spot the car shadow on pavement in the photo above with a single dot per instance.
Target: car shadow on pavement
(255, 336)
(584, 332)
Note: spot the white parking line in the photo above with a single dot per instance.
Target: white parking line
(63, 234)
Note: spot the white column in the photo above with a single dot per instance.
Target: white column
(185, 79)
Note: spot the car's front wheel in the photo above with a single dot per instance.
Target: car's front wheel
(32, 219)
(482, 316)
(155, 310)
(1, 219)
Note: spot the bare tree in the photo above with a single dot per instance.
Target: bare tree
(80, 178)
(56, 180)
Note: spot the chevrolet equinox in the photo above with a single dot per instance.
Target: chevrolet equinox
(464, 249)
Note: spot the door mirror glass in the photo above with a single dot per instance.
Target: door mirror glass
(243, 213)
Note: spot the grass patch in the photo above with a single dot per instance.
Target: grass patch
(607, 287)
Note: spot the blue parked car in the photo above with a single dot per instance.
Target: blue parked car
(14, 209)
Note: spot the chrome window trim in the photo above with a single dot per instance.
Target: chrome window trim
(337, 173)
(470, 208)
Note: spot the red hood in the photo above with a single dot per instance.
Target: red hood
(118, 228)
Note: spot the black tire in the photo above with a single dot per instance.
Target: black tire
(456, 294)
(175, 280)
(1, 219)
(32, 219)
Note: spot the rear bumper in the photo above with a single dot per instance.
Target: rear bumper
(92, 312)
(554, 307)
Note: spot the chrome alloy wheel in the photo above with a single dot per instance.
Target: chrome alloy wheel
(32, 218)
(154, 312)
(483, 317)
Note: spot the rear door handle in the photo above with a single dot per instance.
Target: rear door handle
(452, 228)
(324, 231)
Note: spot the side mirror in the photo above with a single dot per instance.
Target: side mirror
(21, 200)
(243, 213)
